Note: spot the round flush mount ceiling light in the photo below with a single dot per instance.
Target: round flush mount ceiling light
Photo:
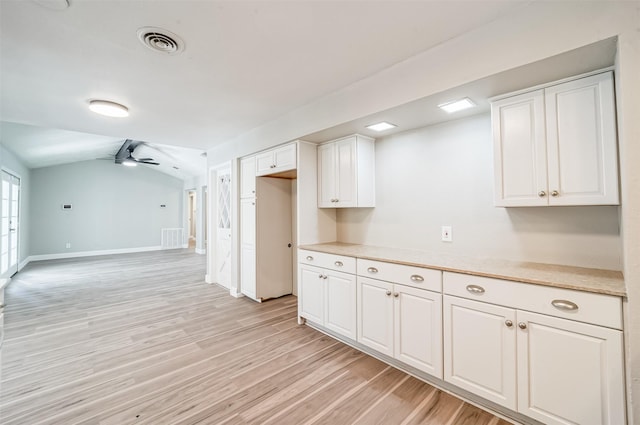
(110, 109)
(160, 40)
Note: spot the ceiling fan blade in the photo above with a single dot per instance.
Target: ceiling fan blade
(148, 162)
(145, 159)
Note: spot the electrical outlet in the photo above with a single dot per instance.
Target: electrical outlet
(446, 234)
(68, 245)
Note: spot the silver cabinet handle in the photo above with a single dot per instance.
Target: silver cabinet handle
(542, 194)
(395, 294)
(509, 323)
(388, 292)
(555, 193)
(309, 258)
(372, 270)
(522, 325)
(339, 263)
(324, 277)
(475, 289)
(320, 276)
(417, 278)
(564, 305)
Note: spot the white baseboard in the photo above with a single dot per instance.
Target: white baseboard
(185, 245)
(208, 279)
(24, 263)
(201, 251)
(92, 253)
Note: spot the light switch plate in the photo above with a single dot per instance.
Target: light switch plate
(446, 234)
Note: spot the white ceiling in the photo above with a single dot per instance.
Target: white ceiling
(245, 63)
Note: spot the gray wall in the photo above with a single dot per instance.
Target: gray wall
(114, 207)
(11, 163)
(443, 175)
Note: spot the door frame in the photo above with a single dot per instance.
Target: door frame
(18, 244)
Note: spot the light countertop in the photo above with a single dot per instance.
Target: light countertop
(608, 282)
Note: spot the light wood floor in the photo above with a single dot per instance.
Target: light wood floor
(142, 339)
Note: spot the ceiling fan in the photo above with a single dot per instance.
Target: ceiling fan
(125, 156)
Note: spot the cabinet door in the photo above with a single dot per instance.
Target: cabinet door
(569, 372)
(519, 150)
(311, 293)
(285, 158)
(418, 329)
(248, 222)
(248, 271)
(346, 173)
(480, 349)
(265, 163)
(326, 176)
(340, 303)
(248, 247)
(581, 140)
(248, 177)
(375, 315)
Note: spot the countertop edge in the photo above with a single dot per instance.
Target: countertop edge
(340, 248)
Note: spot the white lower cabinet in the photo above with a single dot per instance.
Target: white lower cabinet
(326, 296)
(480, 349)
(555, 370)
(569, 372)
(401, 322)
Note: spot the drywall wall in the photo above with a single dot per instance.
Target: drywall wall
(114, 207)
(443, 175)
(12, 164)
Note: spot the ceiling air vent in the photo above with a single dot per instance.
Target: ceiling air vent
(161, 40)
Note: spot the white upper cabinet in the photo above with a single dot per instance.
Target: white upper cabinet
(276, 160)
(346, 173)
(557, 145)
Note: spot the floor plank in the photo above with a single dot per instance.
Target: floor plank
(142, 339)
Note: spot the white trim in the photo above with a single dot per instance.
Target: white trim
(234, 292)
(24, 263)
(184, 246)
(201, 251)
(207, 278)
(93, 253)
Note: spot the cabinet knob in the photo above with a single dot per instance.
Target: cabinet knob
(339, 263)
(320, 276)
(475, 289)
(395, 294)
(388, 292)
(542, 194)
(372, 270)
(509, 323)
(555, 193)
(564, 305)
(309, 258)
(417, 278)
(522, 325)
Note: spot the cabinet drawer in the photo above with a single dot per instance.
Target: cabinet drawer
(328, 261)
(417, 277)
(599, 309)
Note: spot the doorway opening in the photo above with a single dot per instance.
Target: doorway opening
(191, 223)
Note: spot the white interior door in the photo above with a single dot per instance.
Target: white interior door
(223, 228)
(10, 229)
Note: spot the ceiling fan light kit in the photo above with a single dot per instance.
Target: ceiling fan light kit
(108, 108)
